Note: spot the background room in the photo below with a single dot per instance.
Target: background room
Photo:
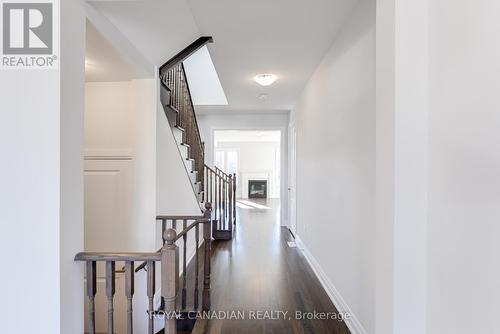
(255, 157)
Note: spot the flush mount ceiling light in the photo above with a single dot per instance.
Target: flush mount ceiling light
(265, 79)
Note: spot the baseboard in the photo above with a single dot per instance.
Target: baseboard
(352, 322)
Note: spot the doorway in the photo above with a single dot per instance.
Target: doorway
(254, 156)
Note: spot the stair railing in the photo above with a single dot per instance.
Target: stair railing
(168, 257)
(220, 189)
(177, 96)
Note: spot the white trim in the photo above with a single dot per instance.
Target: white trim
(228, 111)
(108, 154)
(292, 179)
(352, 322)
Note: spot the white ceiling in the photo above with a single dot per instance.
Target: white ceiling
(285, 37)
(157, 28)
(104, 63)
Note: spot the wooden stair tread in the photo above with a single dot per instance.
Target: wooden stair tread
(173, 108)
(200, 326)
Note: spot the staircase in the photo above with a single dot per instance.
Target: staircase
(209, 184)
(216, 194)
(174, 294)
(221, 191)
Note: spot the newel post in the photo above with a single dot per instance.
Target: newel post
(231, 202)
(234, 197)
(170, 279)
(207, 230)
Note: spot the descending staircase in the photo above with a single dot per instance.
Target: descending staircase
(175, 294)
(216, 194)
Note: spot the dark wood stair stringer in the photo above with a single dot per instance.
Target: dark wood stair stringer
(177, 103)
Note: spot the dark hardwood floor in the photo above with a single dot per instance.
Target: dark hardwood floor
(257, 272)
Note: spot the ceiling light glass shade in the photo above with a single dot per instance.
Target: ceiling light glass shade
(266, 79)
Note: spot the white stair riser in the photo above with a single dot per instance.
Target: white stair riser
(177, 135)
(184, 151)
(193, 177)
(189, 164)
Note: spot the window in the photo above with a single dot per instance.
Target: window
(220, 161)
(227, 160)
(232, 162)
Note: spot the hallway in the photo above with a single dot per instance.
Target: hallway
(257, 271)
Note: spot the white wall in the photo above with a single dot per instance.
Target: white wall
(437, 107)
(256, 158)
(72, 146)
(41, 142)
(30, 178)
(335, 120)
(464, 160)
(120, 133)
(225, 120)
(401, 166)
(134, 172)
(120, 181)
(175, 195)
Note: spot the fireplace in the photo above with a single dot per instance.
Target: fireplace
(257, 188)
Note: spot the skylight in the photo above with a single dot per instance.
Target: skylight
(203, 79)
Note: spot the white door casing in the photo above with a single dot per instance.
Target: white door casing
(292, 179)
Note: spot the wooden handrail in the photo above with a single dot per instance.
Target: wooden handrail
(196, 127)
(187, 229)
(178, 99)
(143, 265)
(179, 217)
(224, 177)
(197, 220)
(178, 105)
(168, 256)
(185, 53)
(221, 171)
(210, 168)
(96, 256)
